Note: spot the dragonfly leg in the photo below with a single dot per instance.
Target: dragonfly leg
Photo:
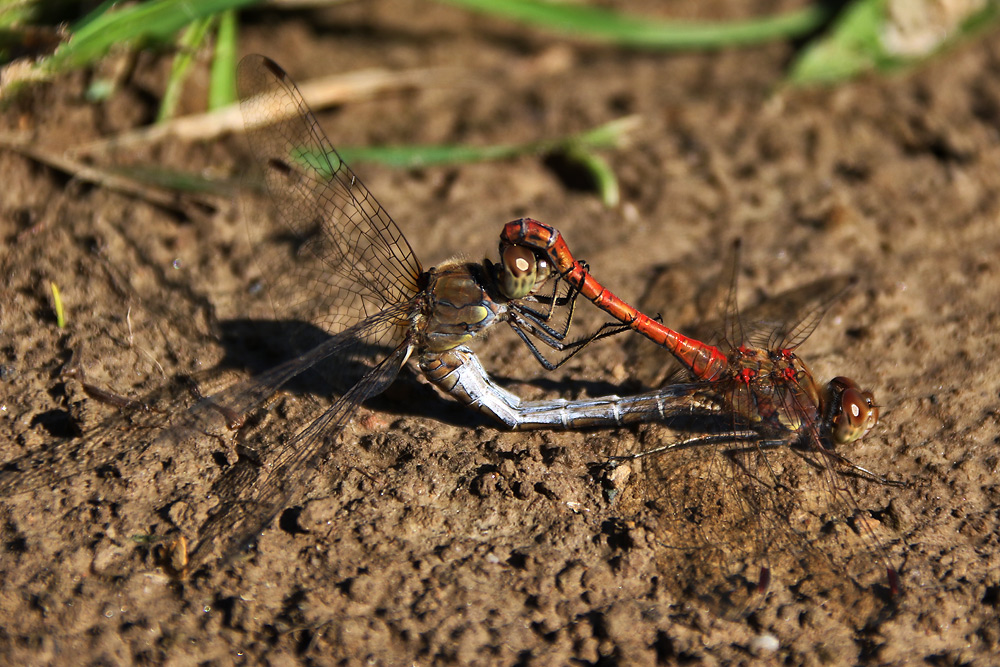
(524, 327)
(690, 443)
(551, 302)
(844, 466)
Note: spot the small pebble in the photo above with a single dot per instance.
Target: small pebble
(764, 644)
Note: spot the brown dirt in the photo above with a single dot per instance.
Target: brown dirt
(430, 536)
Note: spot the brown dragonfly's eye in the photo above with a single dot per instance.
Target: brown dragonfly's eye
(855, 412)
(520, 271)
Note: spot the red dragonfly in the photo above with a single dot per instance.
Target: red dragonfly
(767, 399)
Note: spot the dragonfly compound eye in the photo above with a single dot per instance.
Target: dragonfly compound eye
(856, 412)
(519, 271)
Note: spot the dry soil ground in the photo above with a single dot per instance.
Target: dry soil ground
(430, 536)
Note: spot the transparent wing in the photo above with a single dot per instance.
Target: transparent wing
(128, 434)
(723, 522)
(758, 494)
(154, 423)
(349, 259)
(786, 320)
(349, 354)
(782, 321)
(251, 494)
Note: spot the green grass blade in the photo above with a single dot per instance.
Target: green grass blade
(609, 135)
(57, 305)
(178, 181)
(17, 13)
(410, 157)
(578, 149)
(93, 15)
(154, 21)
(857, 43)
(190, 41)
(222, 82)
(852, 45)
(600, 173)
(604, 25)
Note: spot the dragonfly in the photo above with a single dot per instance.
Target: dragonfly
(759, 395)
(355, 276)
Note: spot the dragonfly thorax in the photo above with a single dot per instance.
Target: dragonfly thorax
(776, 391)
(460, 307)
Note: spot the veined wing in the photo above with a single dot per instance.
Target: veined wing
(351, 348)
(151, 426)
(782, 321)
(786, 320)
(251, 494)
(353, 260)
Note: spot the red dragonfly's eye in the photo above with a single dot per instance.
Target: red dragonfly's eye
(855, 412)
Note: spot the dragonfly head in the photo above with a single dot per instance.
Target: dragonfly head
(852, 412)
(522, 271)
